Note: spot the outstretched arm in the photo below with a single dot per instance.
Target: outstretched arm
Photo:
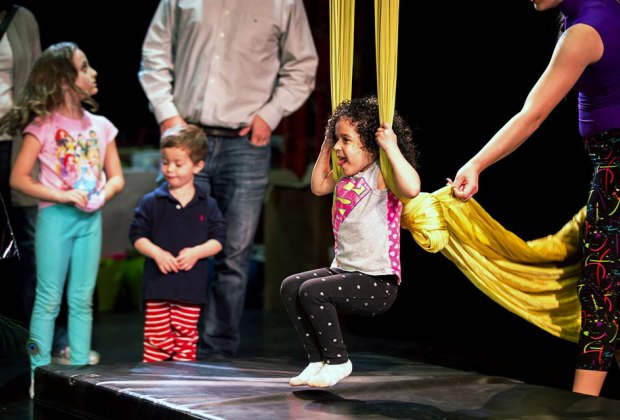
(578, 47)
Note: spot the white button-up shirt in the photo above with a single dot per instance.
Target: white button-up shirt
(220, 62)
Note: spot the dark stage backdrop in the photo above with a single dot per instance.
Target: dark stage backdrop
(461, 75)
(464, 69)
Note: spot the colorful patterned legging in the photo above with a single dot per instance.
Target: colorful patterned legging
(311, 299)
(599, 283)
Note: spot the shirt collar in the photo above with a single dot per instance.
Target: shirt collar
(164, 192)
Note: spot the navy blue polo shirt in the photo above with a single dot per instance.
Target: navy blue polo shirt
(160, 218)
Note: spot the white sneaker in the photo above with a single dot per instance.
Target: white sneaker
(63, 357)
(94, 357)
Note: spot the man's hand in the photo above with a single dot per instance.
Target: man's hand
(260, 132)
(171, 122)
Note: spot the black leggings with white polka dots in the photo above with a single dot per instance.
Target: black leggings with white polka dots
(312, 298)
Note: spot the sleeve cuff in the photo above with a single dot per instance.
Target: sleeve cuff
(271, 114)
(165, 111)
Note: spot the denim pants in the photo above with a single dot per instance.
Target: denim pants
(24, 221)
(67, 241)
(5, 171)
(236, 176)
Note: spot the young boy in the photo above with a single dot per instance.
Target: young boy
(176, 227)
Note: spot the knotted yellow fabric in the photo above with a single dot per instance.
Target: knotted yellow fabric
(535, 280)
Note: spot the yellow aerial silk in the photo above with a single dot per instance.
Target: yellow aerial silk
(386, 45)
(341, 29)
(535, 279)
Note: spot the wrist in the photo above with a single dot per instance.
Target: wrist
(476, 165)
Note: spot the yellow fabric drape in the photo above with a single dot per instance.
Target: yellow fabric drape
(386, 52)
(386, 47)
(341, 30)
(535, 280)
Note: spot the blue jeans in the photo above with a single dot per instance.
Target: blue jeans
(5, 172)
(24, 221)
(236, 176)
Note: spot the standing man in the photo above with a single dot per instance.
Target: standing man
(235, 68)
(20, 46)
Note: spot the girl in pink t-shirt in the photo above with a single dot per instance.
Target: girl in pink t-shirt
(80, 170)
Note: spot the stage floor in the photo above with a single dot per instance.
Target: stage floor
(257, 388)
(400, 371)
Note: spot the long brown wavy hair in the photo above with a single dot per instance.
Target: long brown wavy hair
(52, 73)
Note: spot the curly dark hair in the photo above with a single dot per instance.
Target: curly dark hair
(363, 113)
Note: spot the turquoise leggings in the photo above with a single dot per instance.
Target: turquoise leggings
(67, 241)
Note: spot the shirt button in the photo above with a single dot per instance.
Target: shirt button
(178, 207)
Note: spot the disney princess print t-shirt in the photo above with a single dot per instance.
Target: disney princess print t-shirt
(73, 154)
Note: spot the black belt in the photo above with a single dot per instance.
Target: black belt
(220, 131)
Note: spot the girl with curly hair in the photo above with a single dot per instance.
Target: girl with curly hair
(365, 273)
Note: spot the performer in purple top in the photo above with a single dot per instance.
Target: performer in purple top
(586, 59)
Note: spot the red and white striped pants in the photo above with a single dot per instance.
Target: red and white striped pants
(170, 331)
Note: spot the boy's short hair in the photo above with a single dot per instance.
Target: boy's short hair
(190, 137)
